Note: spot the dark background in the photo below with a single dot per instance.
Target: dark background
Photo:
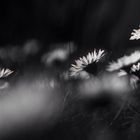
(89, 23)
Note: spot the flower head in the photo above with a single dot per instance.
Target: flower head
(135, 34)
(124, 62)
(86, 64)
(128, 65)
(59, 53)
(5, 72)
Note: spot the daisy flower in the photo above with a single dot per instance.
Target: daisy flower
(60, 53)
(123, 63)
(135, 34)
(5, 72)
(127, 65)
(87, 64)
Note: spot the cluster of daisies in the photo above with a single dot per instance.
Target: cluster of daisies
(128, 65)
(87, 66)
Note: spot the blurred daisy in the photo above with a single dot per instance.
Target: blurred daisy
(123, 63)
(5, 73)
(60, 53)
(87, 64)
(135, 34)
(127, 65)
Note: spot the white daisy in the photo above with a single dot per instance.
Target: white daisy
(124, 61)
(127, 66)
(135, 34)
(78, 69)
(5, 72)
(136, 67)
